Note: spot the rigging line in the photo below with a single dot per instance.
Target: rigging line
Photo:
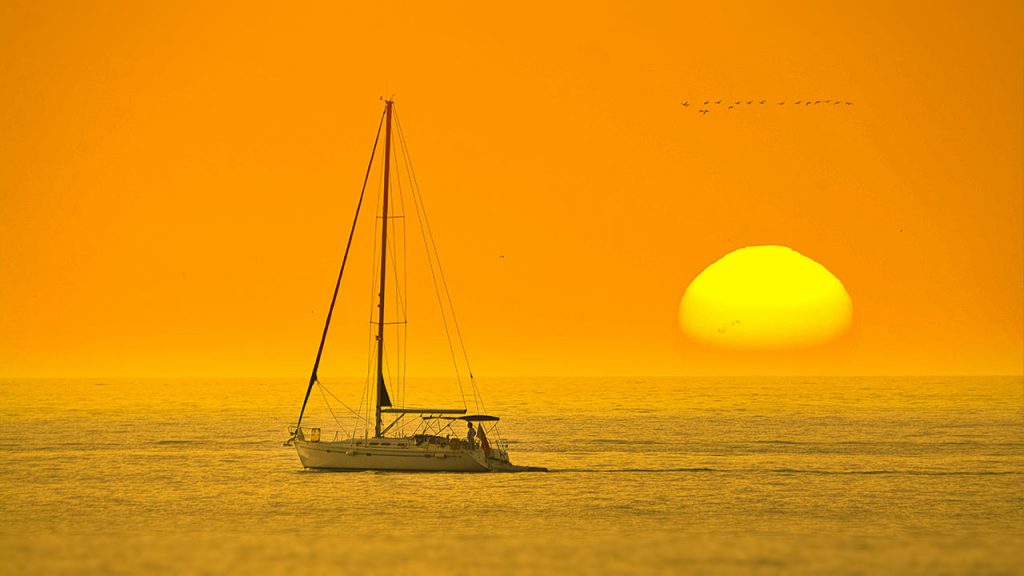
(417, 201)
(337, 285)
(401, 286)
(363, 395)
(430, 234)
(405, 311)
(416, 195)
(328, 404)
(364, 399)
(430, 257)
(366, 385)
(403, 280)
(374, 263)
(400, 301)
(394, 264)
(346, 406)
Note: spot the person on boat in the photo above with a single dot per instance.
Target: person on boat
(471, 435)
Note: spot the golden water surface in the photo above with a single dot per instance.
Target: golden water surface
(857, 475)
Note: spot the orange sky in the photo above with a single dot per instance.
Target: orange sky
(176, 181)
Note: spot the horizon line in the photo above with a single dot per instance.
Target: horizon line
(516, 376)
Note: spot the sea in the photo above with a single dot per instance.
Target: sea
(881, 475)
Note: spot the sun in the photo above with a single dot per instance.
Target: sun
(765, 297)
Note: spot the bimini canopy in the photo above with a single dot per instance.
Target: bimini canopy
(423, 410)
(467, 418)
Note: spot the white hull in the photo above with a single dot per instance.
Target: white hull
(397, 454)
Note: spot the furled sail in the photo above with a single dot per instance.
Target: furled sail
(382, 391)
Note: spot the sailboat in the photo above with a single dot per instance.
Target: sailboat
(447, 439)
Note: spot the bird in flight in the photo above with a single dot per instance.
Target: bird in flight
(706, 107)
(724, 328)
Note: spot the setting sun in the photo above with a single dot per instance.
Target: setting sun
(765, 297)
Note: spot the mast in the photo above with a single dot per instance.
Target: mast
(382, 392)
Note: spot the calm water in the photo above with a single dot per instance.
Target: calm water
(878, 475)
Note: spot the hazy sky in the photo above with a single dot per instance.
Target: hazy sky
(177, 181)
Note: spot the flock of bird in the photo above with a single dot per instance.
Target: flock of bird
(726, 105)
